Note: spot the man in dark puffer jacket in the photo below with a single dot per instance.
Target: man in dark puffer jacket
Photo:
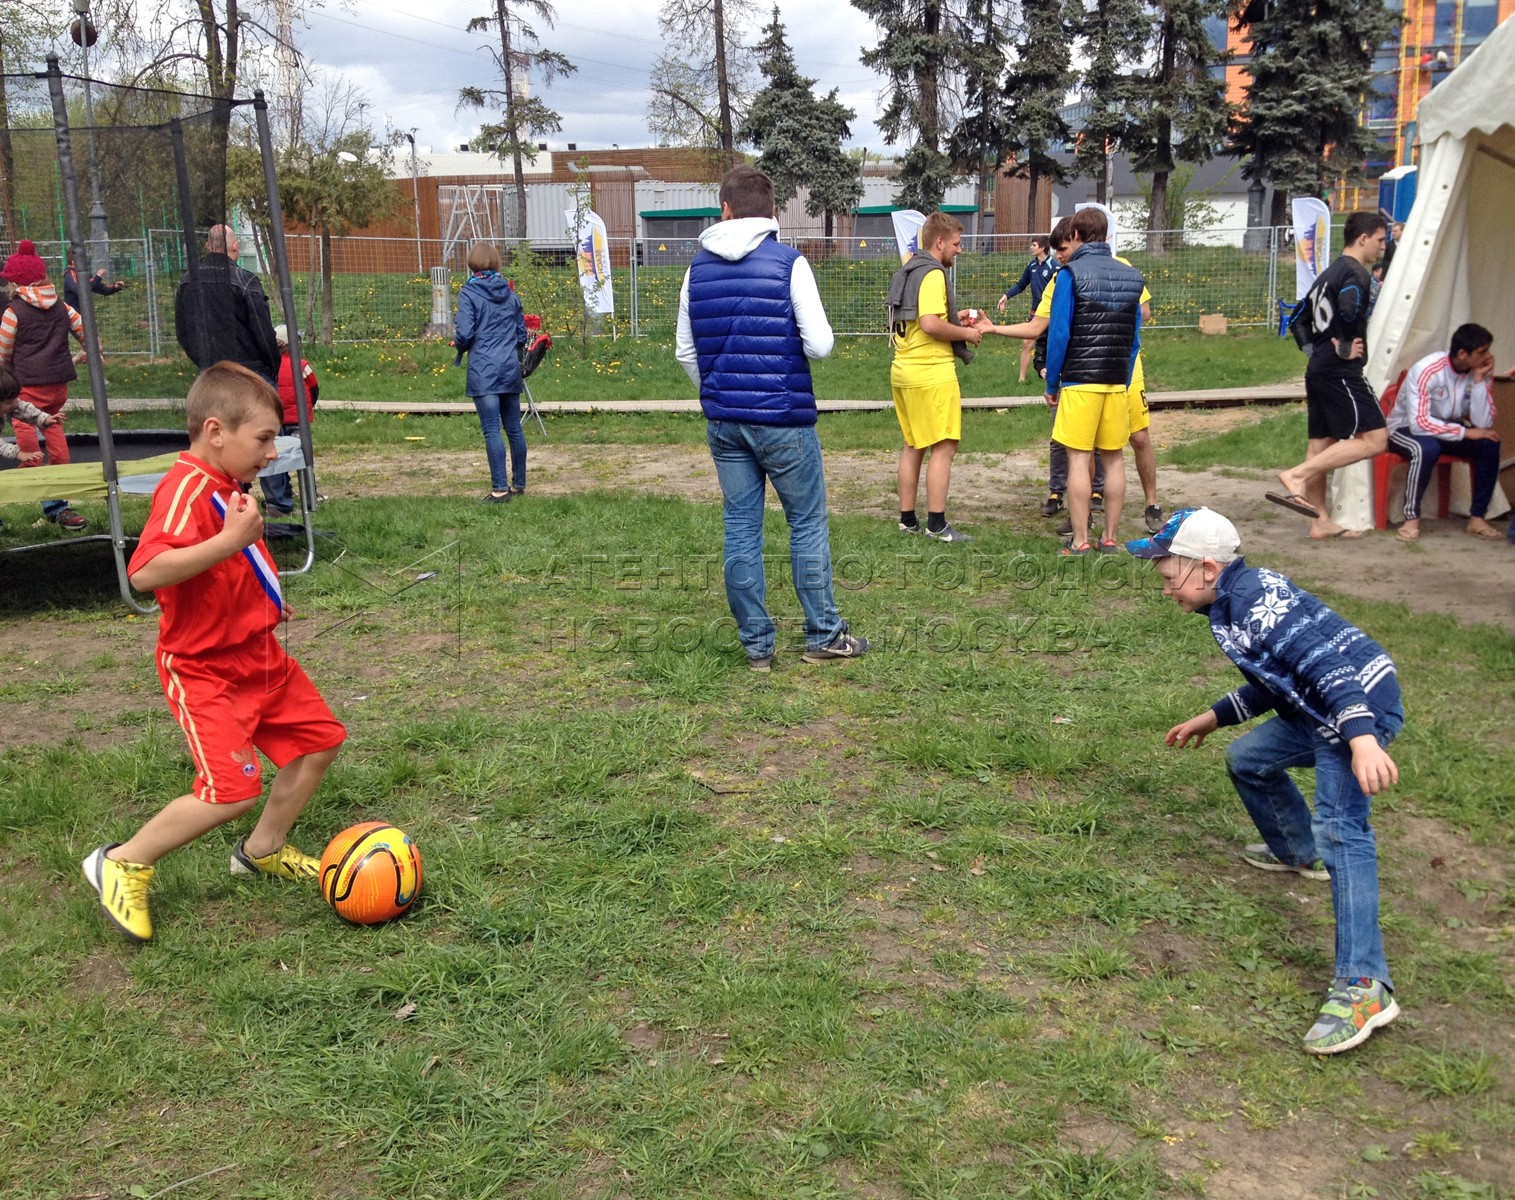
(1092, 344)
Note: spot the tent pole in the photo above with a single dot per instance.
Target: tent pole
(80, 248)
(291, 320)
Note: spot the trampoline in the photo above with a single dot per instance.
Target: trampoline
(165, 151)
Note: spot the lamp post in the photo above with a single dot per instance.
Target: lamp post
(415, 193)
(85, 35)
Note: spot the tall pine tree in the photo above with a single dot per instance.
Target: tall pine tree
(1311, 72)
(1116, 35)
(1183, 113)
(1035, 90)
(921, 47)
(800, 135)
(981, 138)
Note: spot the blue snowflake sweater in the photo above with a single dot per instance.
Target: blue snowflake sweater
(1298, 656)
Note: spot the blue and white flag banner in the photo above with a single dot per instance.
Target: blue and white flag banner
(1312, 241)
(593, 253)
(907, 232)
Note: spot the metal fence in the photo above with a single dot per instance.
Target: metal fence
(378, 296)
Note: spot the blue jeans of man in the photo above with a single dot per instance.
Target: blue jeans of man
(495, 411)
(746, 457)
(1337, 832)
(278, 494)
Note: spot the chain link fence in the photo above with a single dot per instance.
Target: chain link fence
(379, 296)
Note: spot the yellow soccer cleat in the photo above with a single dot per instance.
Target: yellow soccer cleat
(284, 863)
(122, 888)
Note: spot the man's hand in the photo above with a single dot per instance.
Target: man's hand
(1050, 397)
(1001, 304)
(26, 459)
(972, 335)
(1196, 729)
(1358, 350)
(244, 523)
(1480, 435)
(1371, 763)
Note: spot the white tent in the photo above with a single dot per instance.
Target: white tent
(1456, 259)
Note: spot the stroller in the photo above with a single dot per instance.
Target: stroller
(538, 343)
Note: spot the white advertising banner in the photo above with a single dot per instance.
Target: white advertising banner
(1312, 241)
(593, 252)
(907, 232)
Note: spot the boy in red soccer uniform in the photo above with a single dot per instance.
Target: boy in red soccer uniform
(227, 679)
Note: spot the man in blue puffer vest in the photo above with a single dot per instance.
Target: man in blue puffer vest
(750, 320)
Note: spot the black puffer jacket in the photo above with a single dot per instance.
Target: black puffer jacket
(1093, 337)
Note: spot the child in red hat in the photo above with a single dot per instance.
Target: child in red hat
(34, 332)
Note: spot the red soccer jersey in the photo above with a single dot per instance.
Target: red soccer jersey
(233, 605)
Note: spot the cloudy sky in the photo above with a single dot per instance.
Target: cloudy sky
(412, 56)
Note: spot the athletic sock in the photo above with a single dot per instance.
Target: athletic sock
(908, 520)
(936, 522)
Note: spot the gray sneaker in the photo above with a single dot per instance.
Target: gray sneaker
(761, 665)
(843, 645)
(1259, 856)
(916, 528)
(948, 534)
(1352, 1011)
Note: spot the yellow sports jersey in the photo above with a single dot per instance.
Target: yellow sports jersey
(1044, 310)
(921, 360)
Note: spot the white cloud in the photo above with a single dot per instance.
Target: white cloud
(410, 59)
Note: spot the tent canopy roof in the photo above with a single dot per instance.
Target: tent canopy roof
(1475, 96)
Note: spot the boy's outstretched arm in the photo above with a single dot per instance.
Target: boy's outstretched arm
(1196, 728)
(1371, 763)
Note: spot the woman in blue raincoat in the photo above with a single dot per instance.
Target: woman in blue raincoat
(491, 328)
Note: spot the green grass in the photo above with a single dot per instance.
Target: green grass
(1271, 443)
(645, 369)
(944, 922)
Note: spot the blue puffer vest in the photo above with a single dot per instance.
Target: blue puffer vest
(752, 360)
(1107, 297)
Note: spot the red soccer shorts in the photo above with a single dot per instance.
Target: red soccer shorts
(231, 711)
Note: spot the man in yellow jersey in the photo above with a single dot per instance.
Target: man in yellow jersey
(927, 334)
(1139, 418)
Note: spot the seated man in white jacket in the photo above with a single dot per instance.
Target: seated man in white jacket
(1445, 408)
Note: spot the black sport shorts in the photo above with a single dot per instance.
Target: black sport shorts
(1340, 407)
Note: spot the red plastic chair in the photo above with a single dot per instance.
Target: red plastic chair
(1384, 464)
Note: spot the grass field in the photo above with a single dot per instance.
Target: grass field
(946, 922)
(645, 369)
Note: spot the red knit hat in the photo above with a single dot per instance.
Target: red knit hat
(24, 267)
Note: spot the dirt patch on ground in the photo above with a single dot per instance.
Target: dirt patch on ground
(1447, 572)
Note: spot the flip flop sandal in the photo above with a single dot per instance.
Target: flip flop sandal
(1408, 535)
(1294, 502)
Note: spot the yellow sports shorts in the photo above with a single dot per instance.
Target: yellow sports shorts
(1092, 419)
(930, 414)
(1137, 416)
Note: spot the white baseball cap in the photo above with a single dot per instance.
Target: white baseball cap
(281, 334)
(1191, 533)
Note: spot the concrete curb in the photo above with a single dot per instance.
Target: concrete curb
(1280, 393)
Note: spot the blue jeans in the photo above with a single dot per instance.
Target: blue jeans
(1337, 832)
(745, 457)
(493, 411)
(277, 490)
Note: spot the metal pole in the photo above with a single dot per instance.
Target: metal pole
(70, 182)
(291, 314)
(415, 193)
(97, 224)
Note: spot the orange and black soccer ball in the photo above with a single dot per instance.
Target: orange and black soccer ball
(370, 873)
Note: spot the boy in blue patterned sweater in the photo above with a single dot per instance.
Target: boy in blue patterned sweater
(1336, 705)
